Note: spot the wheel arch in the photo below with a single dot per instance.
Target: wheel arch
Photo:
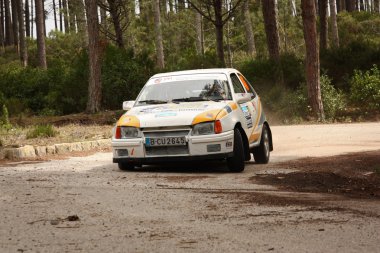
(247, 154)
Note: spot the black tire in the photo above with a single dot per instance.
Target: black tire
(236, 163)
(126, 166)
(262, 152)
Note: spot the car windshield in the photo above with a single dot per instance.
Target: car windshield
(177, 91)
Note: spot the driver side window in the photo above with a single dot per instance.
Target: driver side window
(247, 85)
(238, 88)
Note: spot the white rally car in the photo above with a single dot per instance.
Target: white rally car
(193, 115)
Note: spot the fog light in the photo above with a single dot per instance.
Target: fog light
(213, 148)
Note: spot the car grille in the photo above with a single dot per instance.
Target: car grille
(166, 150)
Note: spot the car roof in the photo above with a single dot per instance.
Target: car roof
(197, 71)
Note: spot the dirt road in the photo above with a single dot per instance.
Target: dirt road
(85, 204)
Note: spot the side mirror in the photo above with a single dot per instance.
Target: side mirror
(243, 97)
(127, 105)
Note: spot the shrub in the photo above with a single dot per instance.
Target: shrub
(123, 75)
(340, 63)
(333, 99)
(288, 105)
(265, 73)
(4, 120)
(365, 88)
(43, 131)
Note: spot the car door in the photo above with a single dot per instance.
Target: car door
(254, 108)
(247, 108)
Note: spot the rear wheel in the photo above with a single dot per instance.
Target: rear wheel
(126, 166)
(262, 152)
(236, 163)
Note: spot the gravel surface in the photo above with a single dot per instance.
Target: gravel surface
(85, 204)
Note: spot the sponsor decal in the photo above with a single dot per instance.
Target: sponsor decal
(248, 116)
(229, 144)
(132, 152)
(166, 114)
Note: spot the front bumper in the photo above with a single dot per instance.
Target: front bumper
(168, 159)
(204, 147)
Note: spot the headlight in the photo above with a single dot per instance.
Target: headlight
(126, 132)
(203, 128)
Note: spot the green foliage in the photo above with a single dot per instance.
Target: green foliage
(358, 26)
(340, 63)
(43, 131)
(289, 105)
(123, 75)
(264, 73)
(4, 120)
(365, 88)
(333, 100)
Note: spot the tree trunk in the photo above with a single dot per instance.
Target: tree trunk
(350, 5)
(71, 15)
(103, 15)
(114, 6)
(269, 8)
(377, 6)
(27, 18)
(170, 5)
(65, 16)
(9, 39)
(228, 44)
(294, 7)
(41, 48)
(21, 27)
(340, 5)
(2, 22)
(334, 24)
(95, 85)
(199, 33)
(55, 15)
(248, 30)
(323, 24)
(219, 32)
(79, 16)
(15, 23)
(32, 19)
(60, 15)
(43, 7)
(157, 28)
(312, 57)
(361, 6)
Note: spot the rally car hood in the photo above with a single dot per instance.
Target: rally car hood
(182, 114)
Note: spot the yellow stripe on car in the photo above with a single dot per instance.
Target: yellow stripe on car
(233, 105)
(205, 116)
(214, 114)
(129, 120)
(253, 136)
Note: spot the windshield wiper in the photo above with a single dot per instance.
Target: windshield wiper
(152, 102)
(194, 99)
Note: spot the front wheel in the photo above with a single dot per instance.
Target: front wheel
(262, 152)
(236, 163)
(126, 166)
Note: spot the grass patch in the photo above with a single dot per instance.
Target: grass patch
(43, 131)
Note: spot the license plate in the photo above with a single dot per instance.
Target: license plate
(165, 141)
